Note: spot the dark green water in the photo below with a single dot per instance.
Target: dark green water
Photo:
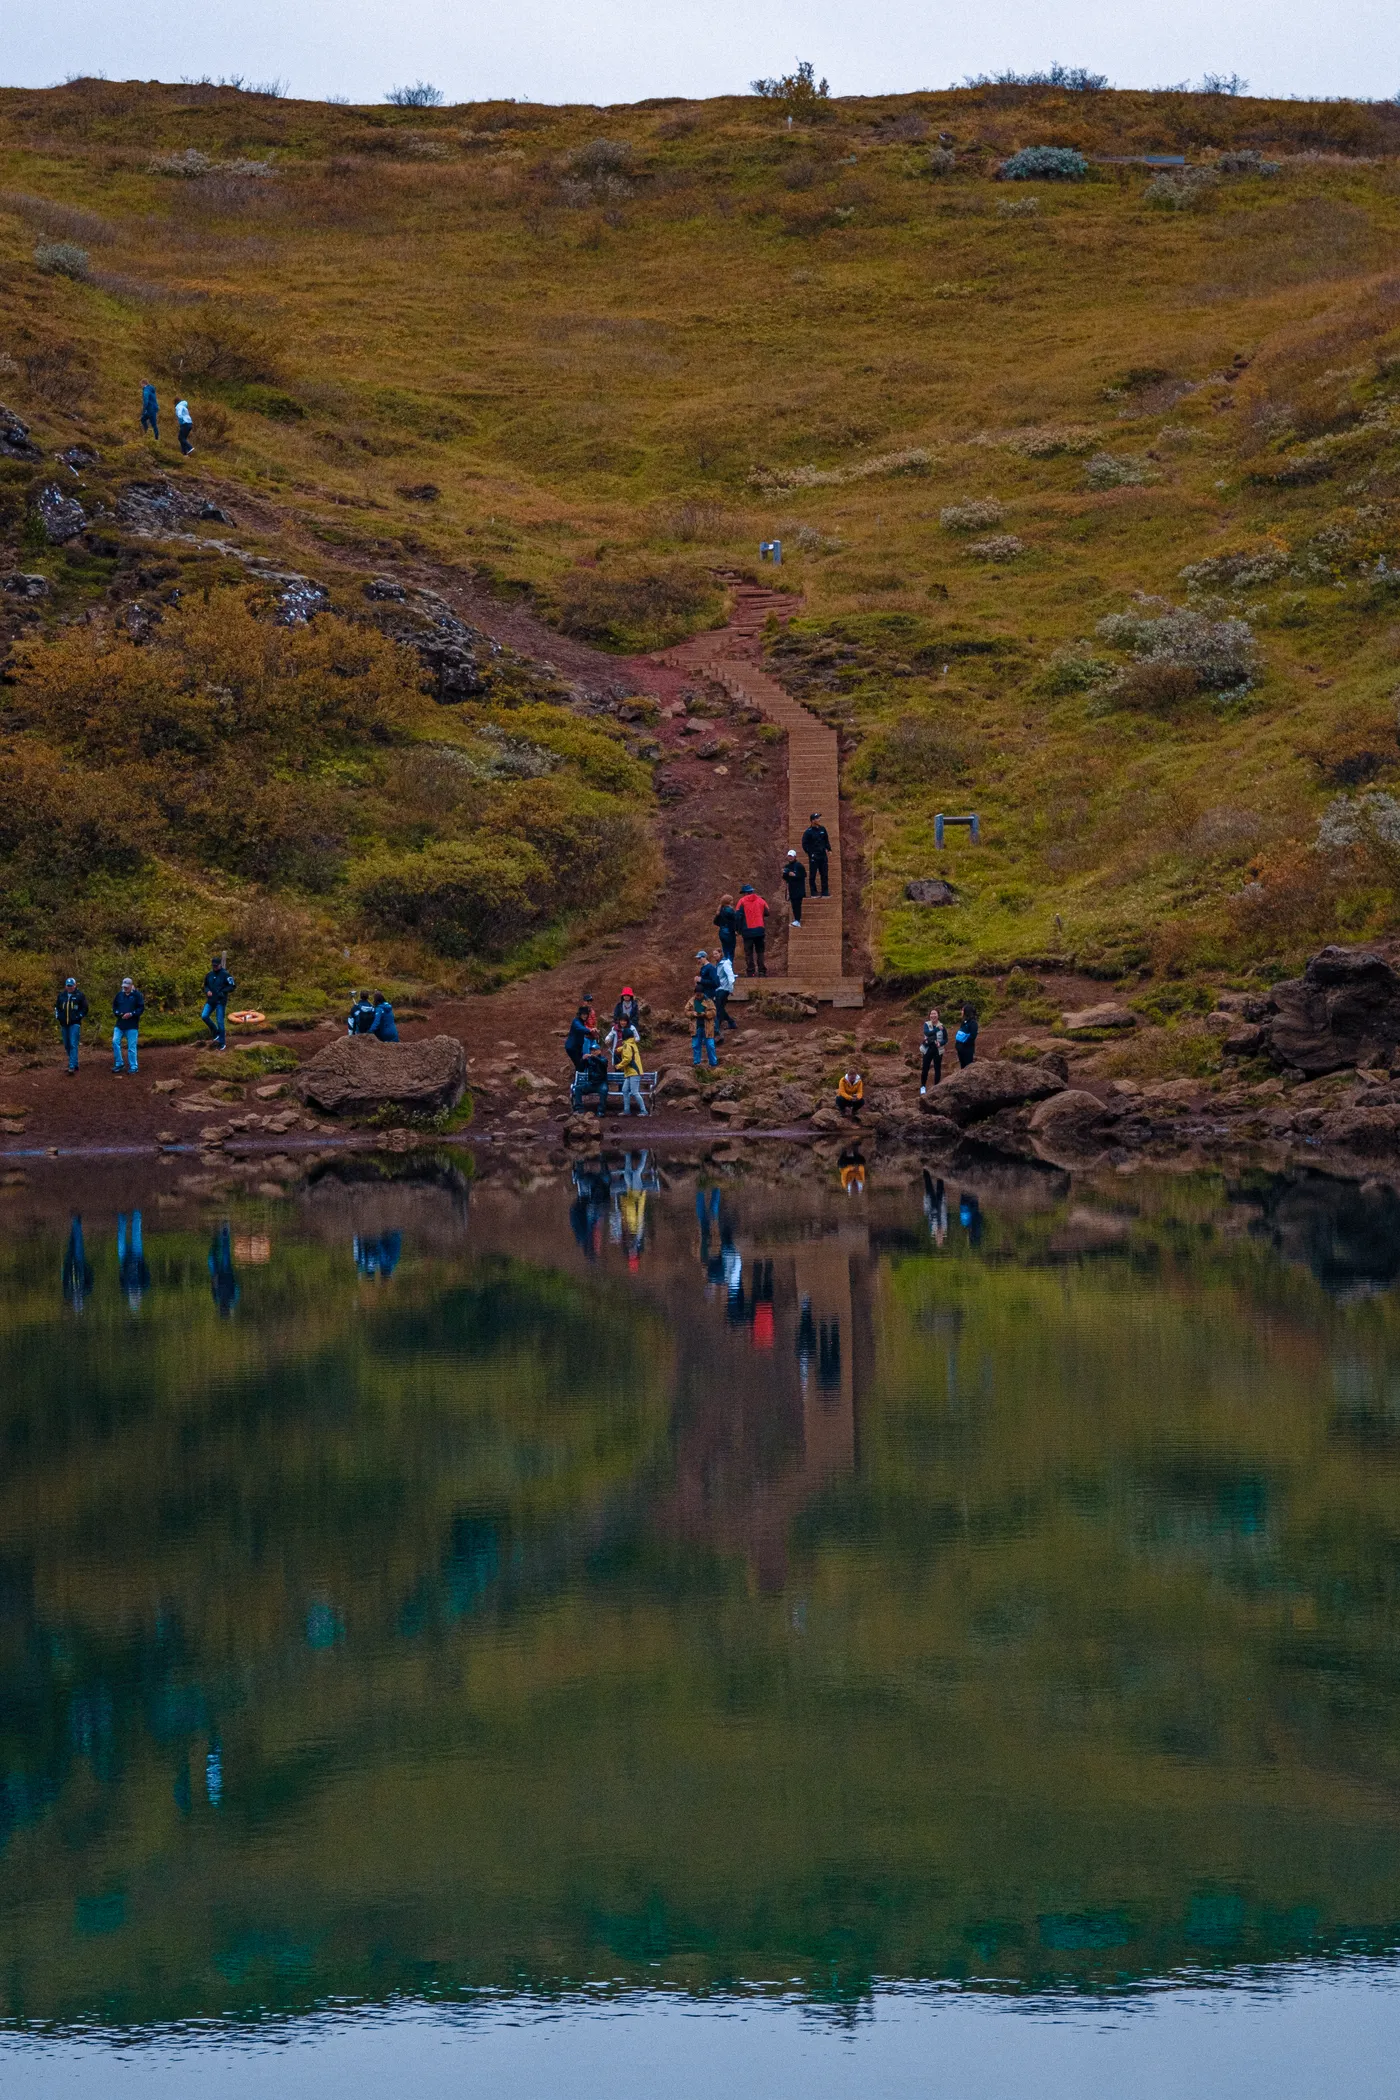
(416, 1591)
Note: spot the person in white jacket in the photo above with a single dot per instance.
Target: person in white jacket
(184, 424)
(724, 969)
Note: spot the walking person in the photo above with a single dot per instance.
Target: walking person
(816, 844)
(127, 1009)
(965, 1040)
(724, 971)
(726, 923)
(795, 883)
(150, 411)
(70, 1011)
(184, 425)
(933, 1044)
(702, 1040)
(629, 1063)
(753, 924)
(217, 986)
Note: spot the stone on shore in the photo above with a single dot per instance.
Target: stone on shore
(1343, 1010)
(359, 1074)
(1090, 1019)
(984, 1089)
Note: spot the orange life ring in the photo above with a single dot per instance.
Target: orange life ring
(249, 1019)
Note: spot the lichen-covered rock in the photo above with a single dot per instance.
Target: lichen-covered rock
(62, 517)
(1343, 1010)
(1089, 1019)
(984, 1089)
(359, 1074)
(15, 441)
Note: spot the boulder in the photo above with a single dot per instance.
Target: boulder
(1070, 1129)
(1371, 1133)
(15, 441)
(796, 1101)
(985, 1088)
(20, 585)
(1090, 1019)
(62, 517)
(359, 1074)
(1343, 1010)
(930, 890)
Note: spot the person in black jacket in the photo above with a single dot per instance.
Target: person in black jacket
(816, 844)
(965, 1037)
(933, 1043)
(795, 883)
(127, 1009)
(581, 1036)
(360, 1019)
(708, 977)
(726, 921)
(217, 986)
(70, 1011)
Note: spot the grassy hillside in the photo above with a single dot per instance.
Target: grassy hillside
(592, 354)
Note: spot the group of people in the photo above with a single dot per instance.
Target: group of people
(934, 1041)
(150, 417)
(594, 1055)
(746, 917)
(71, 1010)
(372, 1014)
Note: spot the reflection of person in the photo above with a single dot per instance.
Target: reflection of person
(132, 1273)
(761, 1306)
(632, 1206)
(77, 1269)
(935, 1209)
(852, 1169)
(806, 1342)
(970, 1217)
(223, 1281)
(592, 1195)
(378, 1257)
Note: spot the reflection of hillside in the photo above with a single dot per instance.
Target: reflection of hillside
(424, 1632)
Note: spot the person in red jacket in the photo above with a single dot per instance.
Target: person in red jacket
(753, 925)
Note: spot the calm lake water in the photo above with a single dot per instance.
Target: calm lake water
(643, 1632)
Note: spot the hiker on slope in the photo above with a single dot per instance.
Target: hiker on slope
(816, 844)
(753, 924)
(795, 883)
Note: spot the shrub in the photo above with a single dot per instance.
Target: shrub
(941, 160)
(1076, 80)
(975, 515)
(601, 157)
(594, 846)
(422, 95)
(917, 750)
(798, 91)
(1109, 470)
(1243, 571)
(62, 259)
(1002, 546)
(1044, 164)
(59, 373)
(468, 897)
(1019, 208)
(1218, 655)
(1247, 161)
(213, 343)
(1365, 831)
(189, 165)
(644, 608)
(1155, 687)
(1075, 670)
(1178, 189)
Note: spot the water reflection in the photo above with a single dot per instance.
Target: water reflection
(662, 1576)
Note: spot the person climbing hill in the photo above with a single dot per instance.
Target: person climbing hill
(795, 883)
(816, 844)
(753, 924)
(726, 922)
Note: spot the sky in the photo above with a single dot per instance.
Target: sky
(608, 51)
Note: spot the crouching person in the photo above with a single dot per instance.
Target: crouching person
(850, 1093)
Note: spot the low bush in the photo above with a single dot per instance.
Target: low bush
(464, 897)
(1110, 470)
(977, 514)
(1044, 164)
(1075, 670)
(1363, 832)
(254, 1062)
(1019, 208)
(214, 343)
(1002, 546)
(62, 259)
(638, 608)
(918, 750)
(941, 160)
(422, 95)
(1247, 160)
(1248, 569)
(1179, 189)
(1199, 653)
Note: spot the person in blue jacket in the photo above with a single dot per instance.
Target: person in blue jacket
(150, 410)
(383, 1024)
(127, 1009)
(214, 1014)
(70, 1011)
(360, 1019)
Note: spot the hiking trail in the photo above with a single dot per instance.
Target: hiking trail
(731, 658)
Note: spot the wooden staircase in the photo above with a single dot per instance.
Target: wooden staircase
(816, 965)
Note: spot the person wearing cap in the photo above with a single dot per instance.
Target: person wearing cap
(70, 1011)
(816, 844)
(708, 978)
(795, 883)
(753, 924)
(582, 1033)
(127, 1009)
(628, 1011)
(724, 971)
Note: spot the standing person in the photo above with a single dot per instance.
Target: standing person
(184, 425)
(150, 410)
(708, 979)
(629, 1063)
(70, 1011)
(724, 971)
(753, 924)
(726, 922)
(816, 844)
(965, 1040)
(628, 1009)
(795, 883)
(702, 1040)
(360, 1019)
(933, 1044)
(217, 986)
(127, 1009)
(580, 1038)
(382, 1022)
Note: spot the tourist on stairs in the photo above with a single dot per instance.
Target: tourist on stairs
(795, 883)
(816, 844)
(753, 924)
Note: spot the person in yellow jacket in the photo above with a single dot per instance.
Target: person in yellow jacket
(850, 1093)
(629, 1063)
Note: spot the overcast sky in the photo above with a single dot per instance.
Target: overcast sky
(621, 50)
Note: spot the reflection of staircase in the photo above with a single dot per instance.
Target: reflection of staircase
(815, 958)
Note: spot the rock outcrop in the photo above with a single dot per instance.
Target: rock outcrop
(1089, 1020)
(359, 1074)
(15, 441)
(984, 1089)
(930, 889)
(1344, 1010)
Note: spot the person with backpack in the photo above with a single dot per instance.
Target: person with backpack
(360, 1019)
(184, 425)
(753, 924)
(629, 1063)
(217, 986)
(150, 411)
(965, 1041)
(933, 1043)
(724, 972)
(70, 1011)
(816, 844)
(127, 1009)
(726, 921)
(382, 1023)
(702, 1015)
(795, 883)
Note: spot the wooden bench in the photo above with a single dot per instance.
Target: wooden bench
(589, 1099)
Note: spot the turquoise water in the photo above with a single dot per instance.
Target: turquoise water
(640, 1629)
